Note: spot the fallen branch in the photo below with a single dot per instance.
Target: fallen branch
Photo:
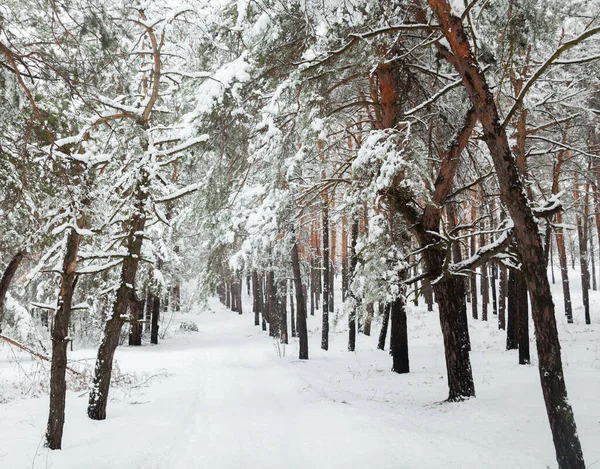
(33, 352)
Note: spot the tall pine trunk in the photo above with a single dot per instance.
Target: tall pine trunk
(582, 222)
(283, 324)
(564, 268)
(60, 341)
(399, 332)
(502, 298)
(522, 318)
(300, 303)
(560, 414)
(326, 286)
(352, 314)
(256, 296)
(154, 318)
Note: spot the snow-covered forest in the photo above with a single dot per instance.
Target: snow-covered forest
(295, 233)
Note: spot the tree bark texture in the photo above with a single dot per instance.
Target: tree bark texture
(60, 341)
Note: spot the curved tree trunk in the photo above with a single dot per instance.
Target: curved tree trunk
(7, 277)
(112, 329)
(560, 414)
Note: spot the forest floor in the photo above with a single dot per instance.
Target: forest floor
(230, 397)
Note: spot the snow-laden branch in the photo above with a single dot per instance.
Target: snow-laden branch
(542, 68)
(550, 207)
(180, 193)
(435, 97)
(192, 142)
(577, 60)
(563, 145)
(133, 111)
(40, 265)
(485, 253)
(95, 269)
(355, 38)
(65, 226)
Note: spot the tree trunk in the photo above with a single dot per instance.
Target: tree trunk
(428, 294)
(283, 311)
(493, 277)
(502, 298)
(399, 333)
(352, 272)
(332, 261)
(7, 277)
(238, 295)
(155, 316)
(511, 329)
(274, 312)
(344, 259)
(326, 286)
(583, 262)
(560, 415)
(263, 304)
(473, 277)
(148, 307)
(300, 303)
(564, 268)
(255, 298)
(522, 307)
(369, 319)
(136, 308)
(176, 296)
(457, 257)
(60, 341)
(384, 326)
(592, 257)
(292, 309)
(456, 346)
(485, 286)
(112, 329)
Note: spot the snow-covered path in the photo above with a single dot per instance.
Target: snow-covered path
(231, 401)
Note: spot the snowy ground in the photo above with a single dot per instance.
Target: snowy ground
(224, 398)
